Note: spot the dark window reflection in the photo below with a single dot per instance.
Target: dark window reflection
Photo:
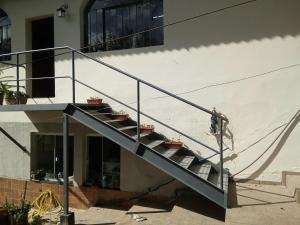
(108, 22)
(5, 35)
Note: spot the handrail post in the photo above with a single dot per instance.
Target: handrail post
(18, 80)
(73, 77)
(138, 112)
(221, 155)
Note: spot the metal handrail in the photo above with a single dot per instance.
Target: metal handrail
(138, 80)
(122, 103)
(153, 86)
(120, 71)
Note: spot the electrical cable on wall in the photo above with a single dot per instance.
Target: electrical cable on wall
(141, 32)
(272, 143)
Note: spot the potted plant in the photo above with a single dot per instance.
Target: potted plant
(147, 129)
(94, 100)
(3, 89)
(23, 97)
(10, 97)
(38, 174)
(121, 115)
(18, 213)
(174, 144)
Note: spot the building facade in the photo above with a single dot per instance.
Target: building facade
(242, 60)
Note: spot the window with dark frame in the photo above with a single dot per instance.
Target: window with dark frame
(5, 35)
(110, 25)
(47, 156)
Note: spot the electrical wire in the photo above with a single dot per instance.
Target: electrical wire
(272, 143)
(144, 31)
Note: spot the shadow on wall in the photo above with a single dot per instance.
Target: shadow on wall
(243, 194)
(282, 137)
(235, 25)
(11, 138)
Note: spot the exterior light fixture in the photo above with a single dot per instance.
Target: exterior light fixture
(61, 11)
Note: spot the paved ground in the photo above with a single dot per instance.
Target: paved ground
(252, 205)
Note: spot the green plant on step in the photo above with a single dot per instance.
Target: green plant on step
(19, 213)
(36, 220)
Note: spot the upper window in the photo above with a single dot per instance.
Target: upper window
(111, 23)
(5, 35)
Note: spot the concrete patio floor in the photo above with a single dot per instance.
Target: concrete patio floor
(251, 204)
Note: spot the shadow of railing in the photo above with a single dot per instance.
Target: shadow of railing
(23, 148)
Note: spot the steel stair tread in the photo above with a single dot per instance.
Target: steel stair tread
(216, 180)
(168, 153)
(185, 161)
(126, 128)
(113, 121)
(202, 170)
(155, 143)
(141, 135)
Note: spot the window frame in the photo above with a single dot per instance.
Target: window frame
(52, 179)
(87, 40)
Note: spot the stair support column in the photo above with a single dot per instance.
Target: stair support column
(66, 218)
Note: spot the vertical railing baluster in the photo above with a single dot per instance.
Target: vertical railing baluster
(138, 111)
(73, 77)
(18, 79)
(221, 155)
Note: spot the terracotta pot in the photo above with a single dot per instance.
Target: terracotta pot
(146, 130)
(23, 100)
(11, 101)
(96, 101)
(122, 117)
(174, 144)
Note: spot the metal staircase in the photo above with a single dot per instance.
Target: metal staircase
(201, 175)
(182, 164)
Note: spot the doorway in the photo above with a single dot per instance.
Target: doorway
(103, 163)
(43, 62)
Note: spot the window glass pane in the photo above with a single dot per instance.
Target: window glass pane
(47, 155)
(5, 35)
(93, 29)
(43, 154)
(99, 30)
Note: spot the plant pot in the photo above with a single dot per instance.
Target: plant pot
(96, 101)
(11, 101)
(1, 99)
(4, 216)
(122, 117)
(23, 100)
(146, 130)
(12, 220)
(173, 144)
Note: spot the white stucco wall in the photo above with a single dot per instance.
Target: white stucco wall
(243, 61)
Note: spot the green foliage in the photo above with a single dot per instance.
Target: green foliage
(19, 212)
(36, 220)
(5, 89)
